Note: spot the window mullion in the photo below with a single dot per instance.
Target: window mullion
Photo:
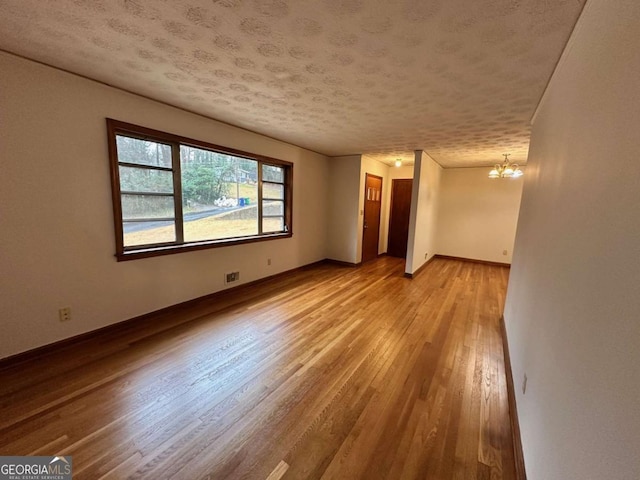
(260, 198)
(288, 199)
(144, 167)
(177, 192)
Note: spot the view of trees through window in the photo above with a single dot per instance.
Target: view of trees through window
(220, 194)
(146, 191)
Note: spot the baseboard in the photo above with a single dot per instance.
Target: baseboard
(341, 263)
(419, 270)
(473, 260)
(350, 264)
(518, 454)
(114, 327)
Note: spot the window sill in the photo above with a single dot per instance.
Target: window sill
(146, 252)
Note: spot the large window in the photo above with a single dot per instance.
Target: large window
(172, 193)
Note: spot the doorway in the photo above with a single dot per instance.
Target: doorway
(371, 226)
(399, 217)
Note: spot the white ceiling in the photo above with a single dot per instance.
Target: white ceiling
(457, 78)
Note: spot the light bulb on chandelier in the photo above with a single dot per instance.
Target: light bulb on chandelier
(506, 170)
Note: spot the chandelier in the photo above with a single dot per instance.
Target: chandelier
(506, 170)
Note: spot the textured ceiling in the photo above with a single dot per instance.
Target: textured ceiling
(457, 78)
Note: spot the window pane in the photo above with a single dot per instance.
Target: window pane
(147, 233)
(146, 206)
(143, 152)
(271, 207)
(272, 190)
(272, 174)
(219, 195)
(270, 225)
(238, 222)
(145, 180)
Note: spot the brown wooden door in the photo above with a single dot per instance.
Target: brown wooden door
(371, 227)
(399, 217)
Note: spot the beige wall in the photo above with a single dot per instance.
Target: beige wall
(57, 240)
(424, 211)
(477, 215)
(343, 233)
(573, 304)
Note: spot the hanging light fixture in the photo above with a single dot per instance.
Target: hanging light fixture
(398, 163)
(506, 170)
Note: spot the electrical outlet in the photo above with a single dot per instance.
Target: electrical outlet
(231, 277)
(504, 252)
(64, 314)
(524, 384)
(268, 261)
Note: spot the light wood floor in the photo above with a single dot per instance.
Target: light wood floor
(332, 373)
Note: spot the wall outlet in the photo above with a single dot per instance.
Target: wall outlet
(504, 252)
(524, 384)
(231, 277)
(64, 314)
(268, 261)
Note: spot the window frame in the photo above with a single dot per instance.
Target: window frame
(117, 127)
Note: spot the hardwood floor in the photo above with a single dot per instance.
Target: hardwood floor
(331, 372)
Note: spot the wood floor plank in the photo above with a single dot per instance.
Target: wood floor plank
(279, 471)
(329, 372)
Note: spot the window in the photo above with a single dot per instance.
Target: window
(172, 193)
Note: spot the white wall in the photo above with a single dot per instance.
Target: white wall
(57, 240)
(343, 235)
(573, 305)
(477, 216)
(424, 211)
